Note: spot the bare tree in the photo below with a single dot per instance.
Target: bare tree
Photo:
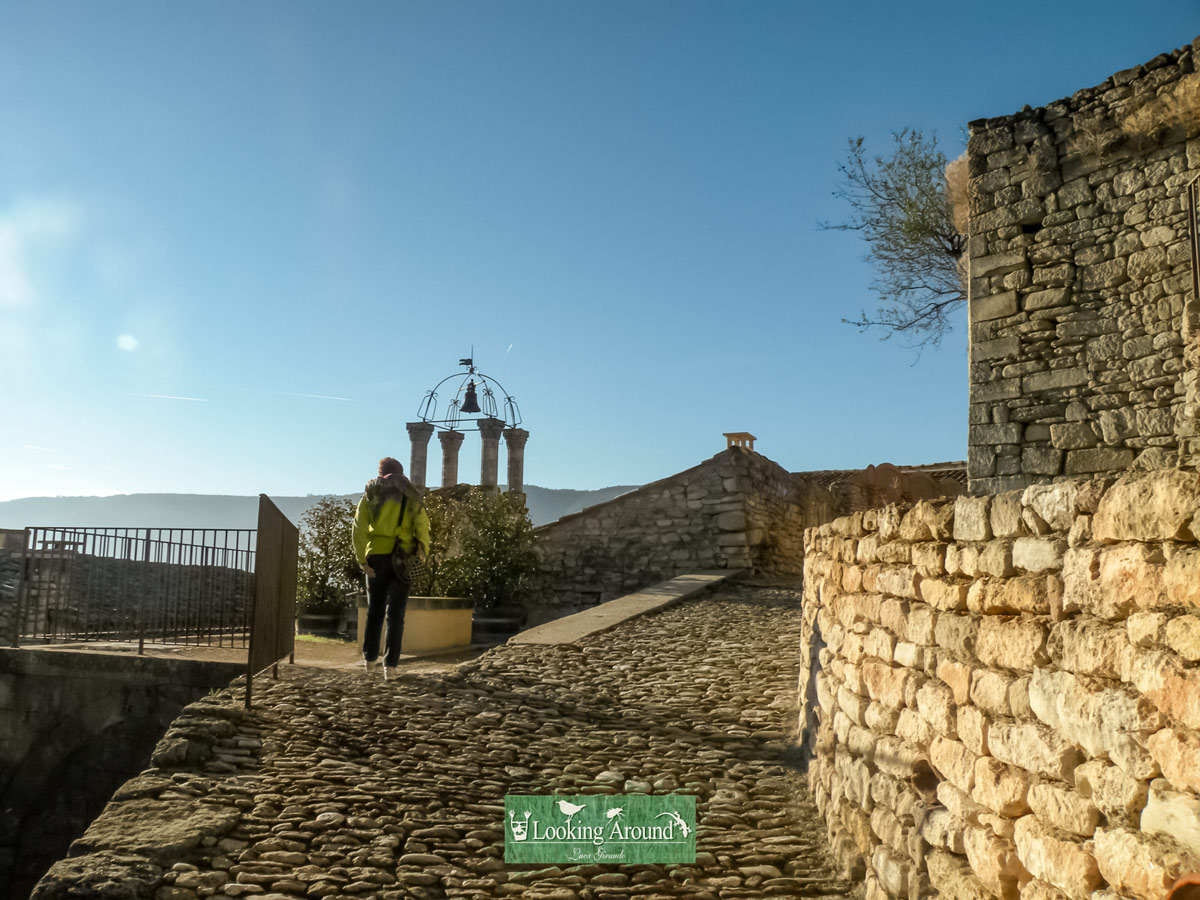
(902, 206)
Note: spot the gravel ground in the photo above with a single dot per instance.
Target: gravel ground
(336, 785)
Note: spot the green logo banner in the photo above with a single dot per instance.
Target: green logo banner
(613, 828)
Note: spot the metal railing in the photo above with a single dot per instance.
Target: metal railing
(150, 585)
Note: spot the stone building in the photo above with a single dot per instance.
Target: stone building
(1084, 326)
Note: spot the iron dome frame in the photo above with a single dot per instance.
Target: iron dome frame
(489, 408)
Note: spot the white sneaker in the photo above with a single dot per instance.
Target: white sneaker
(389, 673)
(370, 664)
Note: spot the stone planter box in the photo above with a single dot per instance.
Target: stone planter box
(431, 624)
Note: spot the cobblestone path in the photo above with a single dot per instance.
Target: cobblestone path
(386, 790)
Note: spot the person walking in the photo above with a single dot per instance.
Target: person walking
(390, 511)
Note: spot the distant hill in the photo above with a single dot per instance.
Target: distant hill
(227, 511)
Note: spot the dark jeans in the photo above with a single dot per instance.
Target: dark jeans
(384, 591)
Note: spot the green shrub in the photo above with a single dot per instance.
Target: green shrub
(482, 547)
(328, 571)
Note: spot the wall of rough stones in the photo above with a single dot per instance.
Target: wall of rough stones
(1005, 690)
(735, 510)
(73, 593)
(1084, 341)
(73, 727)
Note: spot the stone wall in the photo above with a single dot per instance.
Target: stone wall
(1004, 691)
(1084, 343)
(735, 510)
(74, 594)
(73, 727)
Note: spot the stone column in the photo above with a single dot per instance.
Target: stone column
(451, 441)
(419, 433)
(514, 441)
(489, 431)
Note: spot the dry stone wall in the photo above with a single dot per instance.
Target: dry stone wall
(1004, 691)
(736, 510)
(1084, 339)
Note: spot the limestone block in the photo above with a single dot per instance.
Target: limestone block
(899, 758)
(1137, 865)
(887, 827)
(1177, 752)
(953, 561)
(911, 727)
(894, 553)
(896, 795)
(1018, 698)
(1068, 865)
(941, 828)
(956, 633)
(929, 558)
(995, 559)
(1073, 436)
(899, 581)
(1145, 629)
(1016, 643)
(1033, 747)
(868, 549)
(953, 761)
(852, 705)
(909, 655)
(887, 685)
(1040, 460)
(913, 526)
(1173, 814)
(990, 691)
(1112, 582)
(1001, 788)
(1063, 808)
(1161, 678)
(943, 594)
(995, 862)
(1183, 634)
(959, 803)
(952, 877)
(1004, 516)
(1119, 797)
(1090, 647)
(880, 644)
(935, 703)
(893, 615)
(888, 519)
(1099, 459)
(922, 625)
(1045, 687)
(861, 743)
(939, 517)
(882, 719)
(1150, 506)
(957, 676)
(968, 560)
(1038, 554)
(1181, 578)
(731, 521)
(1055, 503)
(972, 729)
(971, 519)
(1021, 594)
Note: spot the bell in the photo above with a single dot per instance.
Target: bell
(471, 403)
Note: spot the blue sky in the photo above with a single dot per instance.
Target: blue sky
(615, 203)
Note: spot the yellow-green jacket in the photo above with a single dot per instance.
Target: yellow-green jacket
(377, 522)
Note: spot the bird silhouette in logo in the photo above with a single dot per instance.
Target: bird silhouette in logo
(569, 810)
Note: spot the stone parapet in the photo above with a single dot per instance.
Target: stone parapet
(1002, 693)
